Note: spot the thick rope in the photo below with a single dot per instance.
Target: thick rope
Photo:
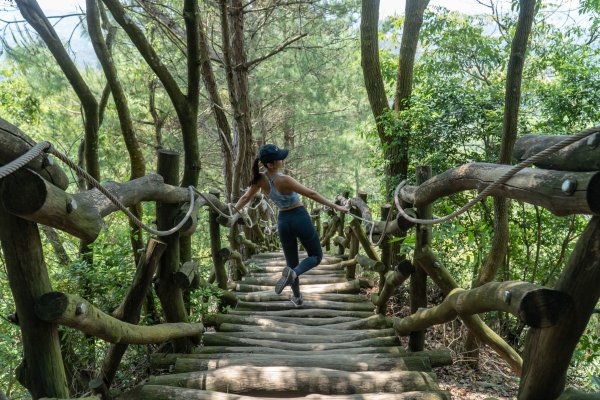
(500, 181)
(81, 172)
(23, 160)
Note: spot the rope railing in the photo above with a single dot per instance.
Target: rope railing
(498, 182)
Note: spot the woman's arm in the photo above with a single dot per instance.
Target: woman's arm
(291, 184)
(246, 197)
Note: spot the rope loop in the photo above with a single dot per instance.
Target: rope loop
(500, 181)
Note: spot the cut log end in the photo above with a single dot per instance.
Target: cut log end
(593, 194)
(51, 306)
(544, 307)
(24, 192)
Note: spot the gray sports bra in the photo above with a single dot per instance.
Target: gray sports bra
(281, 200)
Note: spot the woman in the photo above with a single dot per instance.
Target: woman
(293, 222)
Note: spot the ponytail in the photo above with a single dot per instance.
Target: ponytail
(255, 172)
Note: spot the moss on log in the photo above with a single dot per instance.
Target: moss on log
(75, 312)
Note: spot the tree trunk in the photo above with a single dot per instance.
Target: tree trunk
(548, 351)
(42, 366)
(512, 101)
(171, 297)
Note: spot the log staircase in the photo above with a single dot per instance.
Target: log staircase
(331, 347)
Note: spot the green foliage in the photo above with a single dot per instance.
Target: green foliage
(585, 364)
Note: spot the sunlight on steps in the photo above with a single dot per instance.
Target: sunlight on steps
(332, 347)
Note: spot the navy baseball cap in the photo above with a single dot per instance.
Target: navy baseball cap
(269, 153)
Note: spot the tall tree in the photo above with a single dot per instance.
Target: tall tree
(185, 104)
(512, 101)
(395, 144)
(33, 14)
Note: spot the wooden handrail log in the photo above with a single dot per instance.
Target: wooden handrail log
(395, 226)
(75, 312)
(562, 193)
(331, 229)
(14, 143)
(393, 279)
(444, 280)
(29, 196)
(363, 211)
(342, 241)
(239, 264)
(248, 243)
(184, 277)
(534, 305)
(360, 234)
(370, 264)
(583, 155)
(81, 214)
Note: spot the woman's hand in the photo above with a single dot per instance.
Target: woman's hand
(344, 209)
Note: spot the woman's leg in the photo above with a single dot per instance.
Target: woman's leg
(289, 245)
(309, 238)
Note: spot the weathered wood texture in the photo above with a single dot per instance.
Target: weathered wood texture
(353, 286)
(583, 155)
(31, 197)
(393, 279)
(14, 143)
(418, 279)
(80, 214)
(340, 362)
(548, 351)
(532, 304)
(158, 392)
(442, 278)
(130, 308)
(75, 312)
(300, 380)
(531, 185)
(28, 279)
(437, 357)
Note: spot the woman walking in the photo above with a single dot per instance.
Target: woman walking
(293, 222)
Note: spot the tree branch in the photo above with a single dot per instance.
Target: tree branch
(276, 50)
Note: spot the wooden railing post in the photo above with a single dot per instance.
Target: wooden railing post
(386, 251)
(171, 296)
(418, 280)
(42, 371)
(341, 225)
(215, 246)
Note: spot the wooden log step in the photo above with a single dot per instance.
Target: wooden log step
(304, 280)
(301, 380)
(352, 286)
(269, 295)
(276, 268)
(286, 305)
(297, 337)
(276, 272)
(327, 259)
(342, 362)
(437, 357)
(304, 313)
(291, 329)
(158, 392)
(217, 319)
(271, 350)
(219, 340)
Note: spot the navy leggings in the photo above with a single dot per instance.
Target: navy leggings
(294, 225)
